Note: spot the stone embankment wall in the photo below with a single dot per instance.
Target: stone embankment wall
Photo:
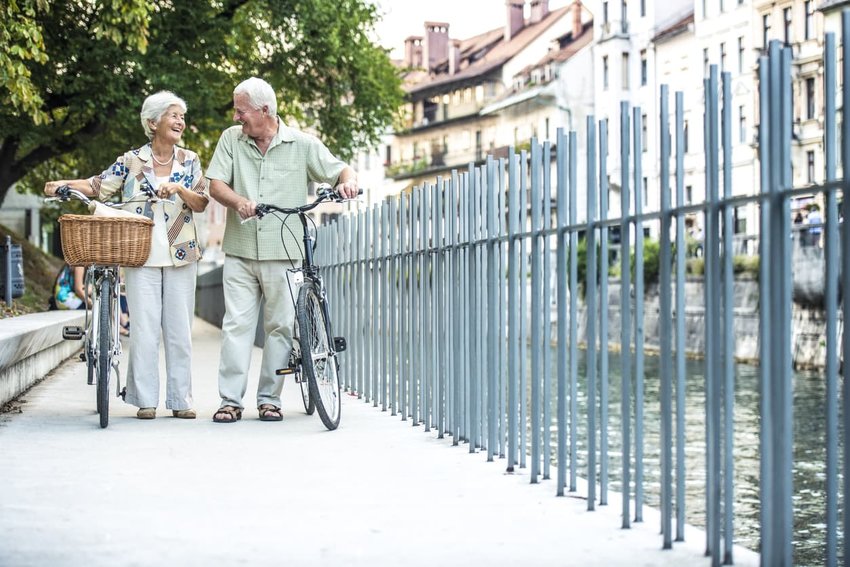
(808, 343)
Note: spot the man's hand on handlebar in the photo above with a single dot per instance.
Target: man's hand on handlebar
(247, 209)
(347, 190)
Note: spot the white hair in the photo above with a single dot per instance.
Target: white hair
(259, 94)
(155, 106)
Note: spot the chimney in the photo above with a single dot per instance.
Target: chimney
(539, 10)
(454, 56)
(436, 46)
(515, 19)
(413, 51)
(578, 27)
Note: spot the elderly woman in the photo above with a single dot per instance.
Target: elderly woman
(161, 294)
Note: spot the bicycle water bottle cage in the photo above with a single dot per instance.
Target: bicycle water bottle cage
(339, 344)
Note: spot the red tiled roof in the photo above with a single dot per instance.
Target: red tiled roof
(498, 52)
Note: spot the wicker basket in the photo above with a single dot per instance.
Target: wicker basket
(88, 240)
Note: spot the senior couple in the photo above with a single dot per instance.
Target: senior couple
(258, 160)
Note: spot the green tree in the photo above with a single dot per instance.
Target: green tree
(75, 74)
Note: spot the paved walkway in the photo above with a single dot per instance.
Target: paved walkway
(375, 492)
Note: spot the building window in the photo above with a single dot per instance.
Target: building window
(765, 24)
(685, 136)
(810, 167)
(722, 56)
(705, 62)
(624, 19)
(625, 70)
(741, 54)
(605, 72)
(722, 6)
(786, 18)
(689, 194)
(642, 8)
(810, 98)
(740, 220)
(604, 14)
(643, 132)
(645, 192)
(742, 126)
(643, 72)
(809, 28)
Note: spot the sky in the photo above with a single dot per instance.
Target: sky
(403, 18)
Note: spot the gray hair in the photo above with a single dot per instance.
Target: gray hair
(259, 94)
(155, 106)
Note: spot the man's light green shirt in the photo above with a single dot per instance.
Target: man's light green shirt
(279, 178)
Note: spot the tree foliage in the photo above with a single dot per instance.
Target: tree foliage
(74, 75)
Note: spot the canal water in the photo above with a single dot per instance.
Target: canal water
(809, 450)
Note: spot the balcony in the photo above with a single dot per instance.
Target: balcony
(438, 160)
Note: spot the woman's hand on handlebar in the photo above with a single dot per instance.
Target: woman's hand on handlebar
(166, 190)
(50, 188)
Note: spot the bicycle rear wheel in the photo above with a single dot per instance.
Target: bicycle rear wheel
(104, 351)
(318, 362)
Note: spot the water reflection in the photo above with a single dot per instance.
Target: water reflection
(809, 450)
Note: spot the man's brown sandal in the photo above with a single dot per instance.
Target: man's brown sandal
(269, 412)
(233, 414)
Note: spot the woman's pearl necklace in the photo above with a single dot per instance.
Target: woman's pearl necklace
(166, 162)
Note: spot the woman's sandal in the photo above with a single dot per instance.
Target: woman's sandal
(233, 414)
(269, 412)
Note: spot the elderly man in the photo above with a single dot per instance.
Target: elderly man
(262, 160)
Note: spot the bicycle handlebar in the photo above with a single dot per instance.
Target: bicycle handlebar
(324, 194)
(65, 193)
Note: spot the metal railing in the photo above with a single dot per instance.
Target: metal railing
(446, 298)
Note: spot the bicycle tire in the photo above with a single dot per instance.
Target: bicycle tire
(309, 403)
(104, 352)
(321, 370)
(300, 377)
(91, 347)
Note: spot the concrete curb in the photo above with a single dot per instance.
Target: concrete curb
(31, 346)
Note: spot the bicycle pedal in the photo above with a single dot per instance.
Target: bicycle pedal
(284, 371)
(339, 344)
(72, 333)
(123, 394)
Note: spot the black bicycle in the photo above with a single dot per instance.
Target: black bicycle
(313, 360)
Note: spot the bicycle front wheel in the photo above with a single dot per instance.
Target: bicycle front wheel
(318, 362)
(104, 351)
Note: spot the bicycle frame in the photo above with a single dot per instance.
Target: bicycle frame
(95, 276)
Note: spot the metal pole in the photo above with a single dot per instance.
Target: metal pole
(536, 320)
(603, 313)
(680, 320)
(560, 156)
(831, 246)
(625, 314)
(666, 319)
(590, 299)
(639, 299)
